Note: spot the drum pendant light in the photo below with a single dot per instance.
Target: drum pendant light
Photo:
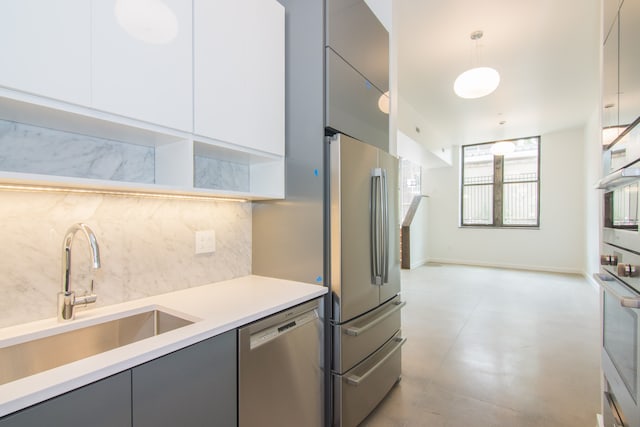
(479, 81)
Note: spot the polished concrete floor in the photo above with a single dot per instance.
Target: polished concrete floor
(495, 347)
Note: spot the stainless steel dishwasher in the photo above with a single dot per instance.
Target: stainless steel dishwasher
(280, 378)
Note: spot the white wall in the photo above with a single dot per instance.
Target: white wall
(418, 129)
(593, 197)
(419, 235)
(418, 154)
(558, 245)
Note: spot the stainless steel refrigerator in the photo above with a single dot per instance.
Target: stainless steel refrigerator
(337, 63)
(363, 236)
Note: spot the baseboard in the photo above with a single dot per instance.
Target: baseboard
(590, 279)
(418, 264)
(548, 269)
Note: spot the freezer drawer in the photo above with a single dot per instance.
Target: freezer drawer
(358, 338)
(359, 391)
(280, 380)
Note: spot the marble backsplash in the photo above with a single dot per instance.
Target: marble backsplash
(146, 245)
(37, 150)
(219, 174)
(33, 149)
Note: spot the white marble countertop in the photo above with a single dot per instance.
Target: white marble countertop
(217, 308)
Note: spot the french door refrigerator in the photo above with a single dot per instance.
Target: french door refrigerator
(364, 242)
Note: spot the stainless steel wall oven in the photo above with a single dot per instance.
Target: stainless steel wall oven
(619, 279)
(620, 338)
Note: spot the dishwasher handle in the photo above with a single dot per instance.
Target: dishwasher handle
(271, 333)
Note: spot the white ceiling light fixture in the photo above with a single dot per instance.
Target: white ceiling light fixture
(502, 148)
(150, 21)
(479, 81)
(383, 102)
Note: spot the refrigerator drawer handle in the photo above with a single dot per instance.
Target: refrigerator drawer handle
(355, 380)
(354, 331)
(627, 302)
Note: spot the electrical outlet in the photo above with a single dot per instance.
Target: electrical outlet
(205, 242)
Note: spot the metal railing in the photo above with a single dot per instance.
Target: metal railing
(519, 200)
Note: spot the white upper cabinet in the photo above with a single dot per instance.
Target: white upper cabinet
(45, 48)
(239, 72)
(121, 74)
(141, 62)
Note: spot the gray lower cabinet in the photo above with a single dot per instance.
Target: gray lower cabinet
(193, 387)
(106, 403)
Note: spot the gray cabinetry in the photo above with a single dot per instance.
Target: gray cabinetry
(195, 386)
(357, 72)
(106, 403)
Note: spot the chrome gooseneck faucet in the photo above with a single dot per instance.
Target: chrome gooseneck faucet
(67, 298)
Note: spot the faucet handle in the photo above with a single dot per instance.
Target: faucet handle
(65, 305)
(85, 299)
(67, 301)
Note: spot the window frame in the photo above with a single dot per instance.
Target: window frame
(498, 188)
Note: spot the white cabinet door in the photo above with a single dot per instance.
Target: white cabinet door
(239, 72)
(45, 48)
(148, 79)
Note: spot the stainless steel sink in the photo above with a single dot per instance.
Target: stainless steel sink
(37, 355)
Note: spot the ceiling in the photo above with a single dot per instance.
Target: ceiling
(546, 52)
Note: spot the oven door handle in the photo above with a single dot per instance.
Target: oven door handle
(618, 178)
(628, 302)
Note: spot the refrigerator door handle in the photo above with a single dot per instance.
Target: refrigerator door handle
(375, 213)
(372, 232)
(385, 228)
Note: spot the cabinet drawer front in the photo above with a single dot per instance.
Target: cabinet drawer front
(355, 340)
(358, 391)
